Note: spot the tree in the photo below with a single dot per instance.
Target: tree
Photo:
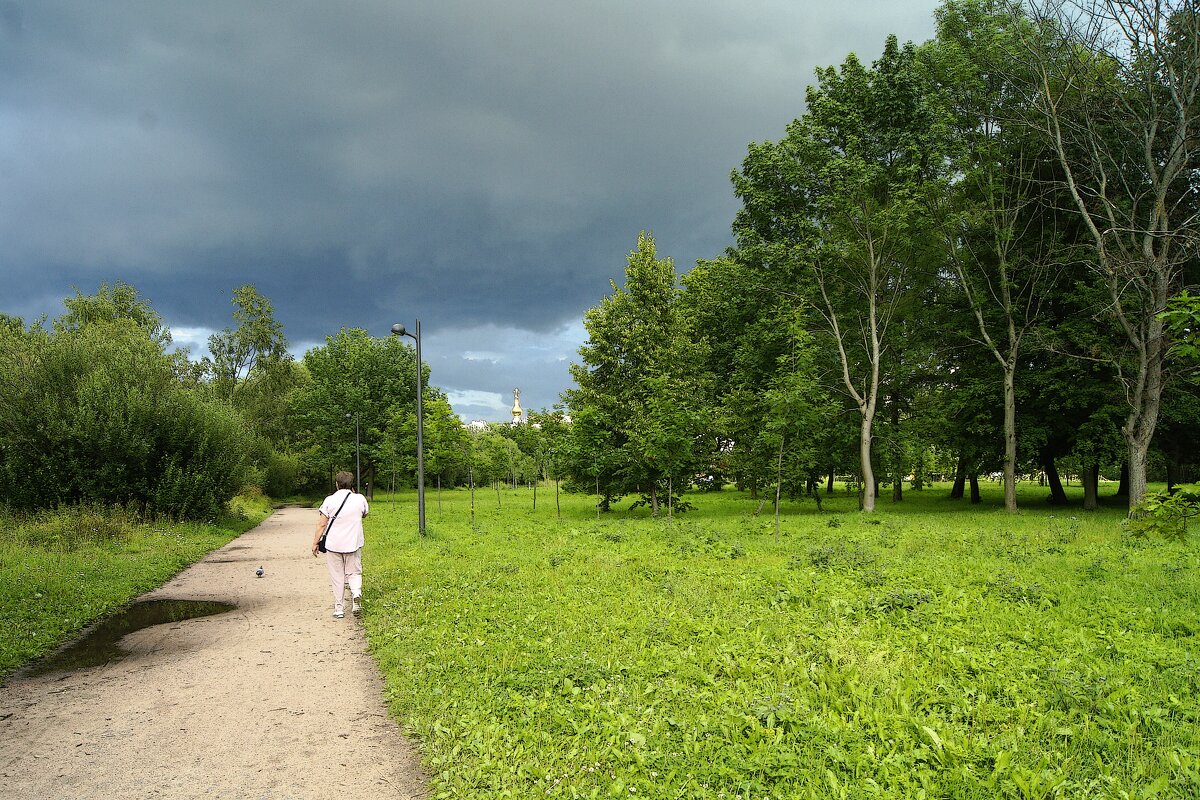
(1117, 91)
(355, 373)
(109, 304)
(634, 408)
(497, 459)
(797, 408)
(994, 233)
(843, 196)
(1178, 433)
(767, 412)
(446, 441)
(253, 352)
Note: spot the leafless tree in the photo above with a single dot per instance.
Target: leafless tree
(1117, 86)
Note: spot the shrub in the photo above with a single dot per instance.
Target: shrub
(98, 416)
(282, 477)
(1164, 514)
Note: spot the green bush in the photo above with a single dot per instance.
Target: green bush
(282, 477)
(1164, 514)
(98, 416)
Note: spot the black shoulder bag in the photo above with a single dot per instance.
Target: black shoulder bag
(324, 533)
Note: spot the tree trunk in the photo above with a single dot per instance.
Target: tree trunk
(975, 497)
(1143, 416)
(1058, 497)
(1123, 485)
(864, 456)
(1090, 478)
(960, 480)
(898, 475)
(1173, 470)
(654, 498)
(370, 476)
(1010, 440)
(829, 485)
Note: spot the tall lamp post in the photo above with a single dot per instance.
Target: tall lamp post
(399, 330)
(357, 460)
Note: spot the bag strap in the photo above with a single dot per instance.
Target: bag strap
(335, 514)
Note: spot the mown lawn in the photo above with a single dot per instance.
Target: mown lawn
(931, 650)
(61, 571)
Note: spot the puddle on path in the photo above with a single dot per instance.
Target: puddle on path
(99, 645)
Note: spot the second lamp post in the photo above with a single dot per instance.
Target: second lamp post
(399, 330)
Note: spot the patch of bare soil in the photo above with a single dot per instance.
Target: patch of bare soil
(275, 699)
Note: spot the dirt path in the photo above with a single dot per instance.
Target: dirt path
(275, 699)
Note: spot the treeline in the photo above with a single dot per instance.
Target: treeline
(97, 409)
(967, 257)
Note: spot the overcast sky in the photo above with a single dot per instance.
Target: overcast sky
(484, 167)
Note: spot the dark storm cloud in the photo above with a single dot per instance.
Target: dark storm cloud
(485, 167)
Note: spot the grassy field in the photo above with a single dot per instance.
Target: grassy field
(934, 649)
(61, 571)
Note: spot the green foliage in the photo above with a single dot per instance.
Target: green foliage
(1164, 514)
(835, 213)
(447, 443)
(252, 354)
(73, 528)
(354, 373)
(1182, 319)
(283, 474)
(249, 368)
(496, 458)
(946, 652)
(635, 408)
(94, 413)
(112, 304)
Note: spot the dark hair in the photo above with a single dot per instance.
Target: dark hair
(345, 480)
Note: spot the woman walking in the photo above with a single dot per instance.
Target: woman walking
(343, 546)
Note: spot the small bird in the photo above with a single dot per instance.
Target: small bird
(259, 572)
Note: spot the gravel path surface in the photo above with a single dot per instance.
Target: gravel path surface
(275, 699)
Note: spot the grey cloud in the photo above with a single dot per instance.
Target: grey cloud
(464, 162)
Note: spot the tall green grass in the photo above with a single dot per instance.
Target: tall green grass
(934, 649)
(60, 571)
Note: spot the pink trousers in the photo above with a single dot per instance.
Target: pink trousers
(344, 568)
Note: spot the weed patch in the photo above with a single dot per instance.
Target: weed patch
(946, 651)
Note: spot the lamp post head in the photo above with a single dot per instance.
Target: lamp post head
(398, 330)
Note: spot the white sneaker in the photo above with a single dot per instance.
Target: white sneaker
(357, 606)
(338, 612)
